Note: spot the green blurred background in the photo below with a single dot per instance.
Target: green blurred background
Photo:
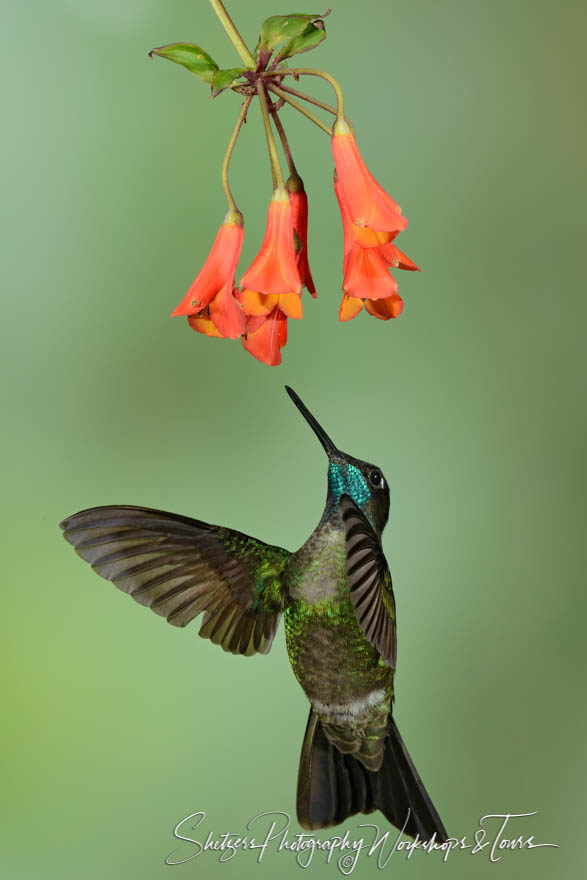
(116, 725)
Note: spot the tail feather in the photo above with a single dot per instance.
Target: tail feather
(424, 819)
(333, 786)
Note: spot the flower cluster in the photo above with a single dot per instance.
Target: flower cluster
(270, 290)
(257, 309)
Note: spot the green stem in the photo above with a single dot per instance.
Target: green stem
(275, 166)
(310, 71)
(284, 143)
(227, 156)
(310, 100)
(307, 113)
(234, 36)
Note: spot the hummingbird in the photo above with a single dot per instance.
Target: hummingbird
(336, 599)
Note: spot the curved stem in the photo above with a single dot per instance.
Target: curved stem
(284, 143)
(227, 156)
(310, 71)
(234, 36)
(309, 99)
(307, 113)
(275, 166)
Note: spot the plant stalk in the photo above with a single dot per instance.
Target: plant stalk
(284, 143)
(309, 99)
(271, 145)
(233, 34)
(227, 156)
(310, 71)
(307, 113)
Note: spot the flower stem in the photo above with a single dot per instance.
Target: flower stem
(307, 113)
(284, 143)
(309, 99)
(227, 156)
(234, 36)
(275, 166)
(310, 71)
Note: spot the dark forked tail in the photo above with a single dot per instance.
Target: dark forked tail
(333, 786)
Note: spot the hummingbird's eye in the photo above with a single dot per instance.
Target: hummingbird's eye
(375, 478)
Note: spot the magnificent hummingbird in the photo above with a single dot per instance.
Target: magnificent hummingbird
(335, 595)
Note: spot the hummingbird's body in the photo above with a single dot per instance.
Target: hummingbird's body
(339, 670)
(336, 597)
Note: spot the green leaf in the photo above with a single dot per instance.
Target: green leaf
(281, 29)
(224, 79)
(313, 35)
(190, 56)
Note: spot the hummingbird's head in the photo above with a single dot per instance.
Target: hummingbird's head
(361, 481)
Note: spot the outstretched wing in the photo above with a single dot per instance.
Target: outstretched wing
(180, 567)
(369, 581)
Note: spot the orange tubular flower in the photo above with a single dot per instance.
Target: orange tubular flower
(299, 209)
(209, 303)
(367, 255)
(273, 280)
(367, 203)
(357, 235)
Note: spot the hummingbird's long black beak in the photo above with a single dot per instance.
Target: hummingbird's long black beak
(318, 430)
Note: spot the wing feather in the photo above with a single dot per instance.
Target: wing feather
(369, 581)
(180, 567)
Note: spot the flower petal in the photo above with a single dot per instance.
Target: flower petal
(227, 315)
(299, 208)
(349, 307)
(274, 269)
(265, 343)
(255, 303)
(367, 202)
(384, 309)
(291, 305)
(253, 322)
(218, 269)
(204, 325)
(367, 276)
(281, 330)
(394, 257)
(353, 234)
(368, 238)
